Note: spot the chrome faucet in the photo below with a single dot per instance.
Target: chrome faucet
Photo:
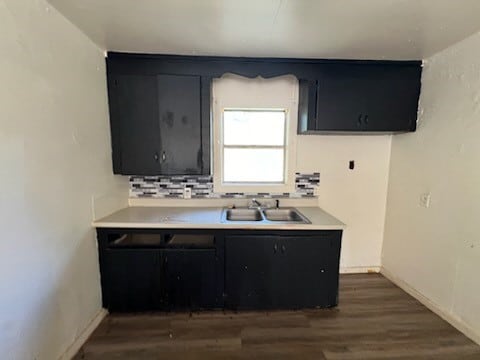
(255, 204)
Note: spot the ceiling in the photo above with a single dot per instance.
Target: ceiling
(361, 29)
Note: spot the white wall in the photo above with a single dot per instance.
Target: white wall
(356, 197)
(436, 251)
(55, 165)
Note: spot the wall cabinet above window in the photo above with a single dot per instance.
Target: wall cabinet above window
(360, 98)
(160, 105)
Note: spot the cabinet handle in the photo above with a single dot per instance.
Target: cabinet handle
(164, 157)
(275, 248)
(283, 249)
(365, 119)
(155, 157)
(165, 264)
(359, 120)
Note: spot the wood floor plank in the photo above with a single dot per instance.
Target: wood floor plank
(374, 320)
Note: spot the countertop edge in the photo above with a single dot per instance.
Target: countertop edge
(104, 225)
(162, 221)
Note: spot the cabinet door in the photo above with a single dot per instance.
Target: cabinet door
(367, 97)
(133, 280)
(392, 98)
(190, 281)
(341, 101)
(180, 124)
(135, 125)
(304, 271)
(250, 271)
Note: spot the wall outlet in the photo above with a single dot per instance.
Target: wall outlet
(187, 193)
(425, 200)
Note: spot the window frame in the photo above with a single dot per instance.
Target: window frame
(284, 147)
(233, 92)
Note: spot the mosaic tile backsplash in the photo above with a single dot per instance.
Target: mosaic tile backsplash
(202, 187)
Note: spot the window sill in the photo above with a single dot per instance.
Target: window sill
(253, 188)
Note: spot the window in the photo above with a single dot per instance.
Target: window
(254, 146)
(254, 127)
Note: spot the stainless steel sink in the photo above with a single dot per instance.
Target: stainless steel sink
(264, 216)
(286, 215)
(243, 215)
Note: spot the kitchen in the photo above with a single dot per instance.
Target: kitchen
(394, 195)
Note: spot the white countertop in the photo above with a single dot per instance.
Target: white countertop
(207, 218)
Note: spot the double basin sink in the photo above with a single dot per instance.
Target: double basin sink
(285, 215)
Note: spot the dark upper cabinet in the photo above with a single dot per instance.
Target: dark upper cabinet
(179, 120)
(135, 125)
(160, 105)
(157, 124)
(360, 98)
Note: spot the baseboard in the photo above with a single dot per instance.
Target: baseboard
(84, 335)
(456, 322)
(360, 270)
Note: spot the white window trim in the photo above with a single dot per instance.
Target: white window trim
(236, 92)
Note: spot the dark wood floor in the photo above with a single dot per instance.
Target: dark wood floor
(375, 320)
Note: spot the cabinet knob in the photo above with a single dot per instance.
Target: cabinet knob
(164, 157)
(365, 119)
(275, 248)
(359, 120)
(283, 249)
(155, 156)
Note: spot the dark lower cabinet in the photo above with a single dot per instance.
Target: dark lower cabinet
(250, 267)
(132, 280)
(282, 272)
(304, 272)
(165, 270)
(158, 279)
(189, 279)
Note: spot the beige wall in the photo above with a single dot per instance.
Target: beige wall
(436, 250)
(356, 197)
(55, 172)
